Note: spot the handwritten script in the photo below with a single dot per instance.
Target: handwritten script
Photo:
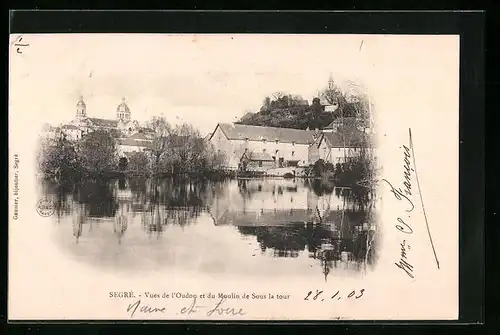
(404, 194)
(219, 309)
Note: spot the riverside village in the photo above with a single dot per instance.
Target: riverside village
(291, 180)
(287, 137)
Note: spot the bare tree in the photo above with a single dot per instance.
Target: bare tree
(161, 130)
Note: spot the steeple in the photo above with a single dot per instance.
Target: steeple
(331, 83)
(81, 109)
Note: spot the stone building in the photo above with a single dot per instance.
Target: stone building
(262, 146)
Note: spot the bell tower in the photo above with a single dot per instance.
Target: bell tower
(81, 109)
(123, 112)
(331, 83)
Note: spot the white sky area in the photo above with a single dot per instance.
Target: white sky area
(199, 79)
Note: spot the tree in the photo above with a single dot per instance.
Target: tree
(266, 104)
(161, 131)
(57, 158)
(139, 163)
(215, 160)
(187, 149)
(97, 153)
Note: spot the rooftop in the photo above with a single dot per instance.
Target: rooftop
(103, 122)
(260, 133)
(352, 138)
(260, 156)
(134, 142)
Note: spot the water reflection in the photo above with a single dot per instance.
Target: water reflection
(289, 219)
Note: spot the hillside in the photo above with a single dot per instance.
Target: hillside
(299, 117)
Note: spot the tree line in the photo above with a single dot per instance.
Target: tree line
(172, 150)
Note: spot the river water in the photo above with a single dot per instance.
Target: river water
(277, 227)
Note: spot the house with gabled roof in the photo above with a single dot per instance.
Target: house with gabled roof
(283, 147)
(340, 140)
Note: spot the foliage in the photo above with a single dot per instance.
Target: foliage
(180, 150)
(161, 130)
(57, 158)
(97, 153)
(289, 111)
(138, 164)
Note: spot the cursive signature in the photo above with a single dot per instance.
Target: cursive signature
(399, 195)
(146, 309)
(404, 193)
(403, 263)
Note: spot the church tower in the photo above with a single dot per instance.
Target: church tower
(123, 112)
(81, 109)
(331, 83)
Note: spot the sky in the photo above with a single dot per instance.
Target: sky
(200, 79)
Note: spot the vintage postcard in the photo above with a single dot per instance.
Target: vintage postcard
(233, 177)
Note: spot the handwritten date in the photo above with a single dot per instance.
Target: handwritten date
(321, 296)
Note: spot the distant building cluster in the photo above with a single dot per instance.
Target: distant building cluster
(131, 136)
(261, 148)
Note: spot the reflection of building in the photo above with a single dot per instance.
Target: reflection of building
(288, 218)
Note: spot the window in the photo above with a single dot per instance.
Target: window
(260, 163)
(293, 153)
(246, 139)
(277, 141)
(277, 152)
(264, 140)
(293, 143)
(264, 150)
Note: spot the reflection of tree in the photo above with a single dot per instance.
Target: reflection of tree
(154, 224)
(174, 201)
(98, 197)
(358, 196)
(321, 187)
(119, 227)
(181, 193)
(288, 239)
(78, 221)
(340, 239)
(60, 193)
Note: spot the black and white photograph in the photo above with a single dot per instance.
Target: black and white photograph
(233, 176)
